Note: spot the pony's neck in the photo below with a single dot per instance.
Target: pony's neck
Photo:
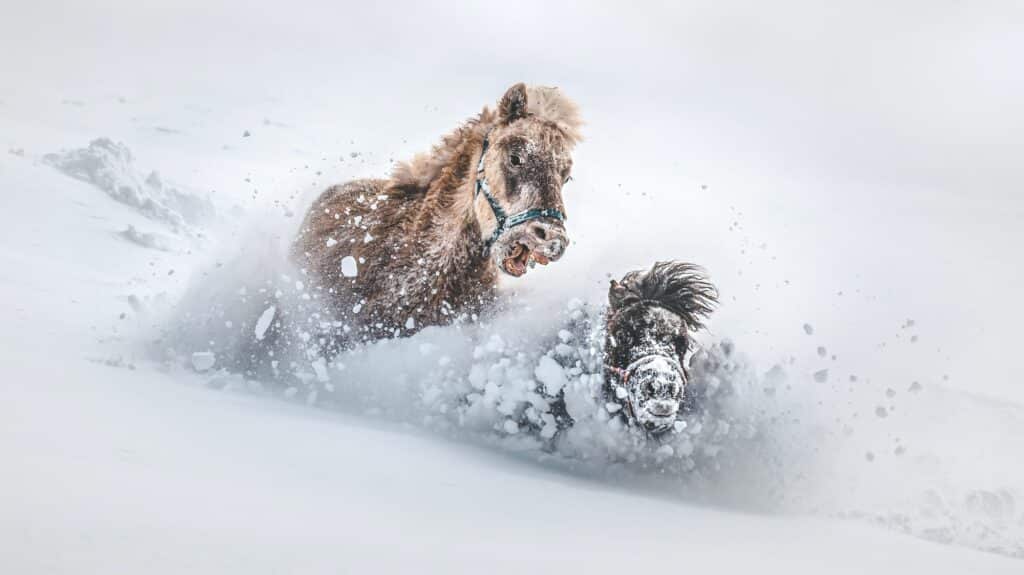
(448, 221)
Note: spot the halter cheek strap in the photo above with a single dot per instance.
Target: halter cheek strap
(505, 222)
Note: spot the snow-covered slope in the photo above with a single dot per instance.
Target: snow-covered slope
(116, 462)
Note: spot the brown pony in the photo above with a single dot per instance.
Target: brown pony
(424, 247)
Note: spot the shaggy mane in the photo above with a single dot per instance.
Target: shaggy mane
(551, 105)
(681, 288)
(543, 102)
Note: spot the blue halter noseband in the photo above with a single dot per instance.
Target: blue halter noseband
(505, 221)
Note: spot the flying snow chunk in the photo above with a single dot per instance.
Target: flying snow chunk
(203, 360)
(550, 374)
(263, 323)
(808, 329)
(410, 323)
(331, 242)
(821, 376)
(511, 427)
(349, 267)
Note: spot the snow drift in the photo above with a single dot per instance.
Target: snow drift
(766, 439)
(110, 167)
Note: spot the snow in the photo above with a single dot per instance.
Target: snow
(264, 321)
(146, 239)
(422, 454)
(551, 374)
(349, 268)
(203, 360)
(110, 167)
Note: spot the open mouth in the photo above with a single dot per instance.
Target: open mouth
(658, 427)
(519, 258)
(657, 423)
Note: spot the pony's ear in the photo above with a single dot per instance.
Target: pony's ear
(513, 103)
(616, 294)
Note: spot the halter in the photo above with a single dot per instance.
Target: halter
(625, 373)
(505, 221)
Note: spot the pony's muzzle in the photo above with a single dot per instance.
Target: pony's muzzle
(663, 407)
(547, 240)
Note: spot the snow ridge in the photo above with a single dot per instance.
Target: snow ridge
(110, 167)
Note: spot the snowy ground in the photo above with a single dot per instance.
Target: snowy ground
(890, 445)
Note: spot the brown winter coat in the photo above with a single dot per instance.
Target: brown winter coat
(390, 256)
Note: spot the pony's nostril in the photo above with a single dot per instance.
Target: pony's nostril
(540, 233)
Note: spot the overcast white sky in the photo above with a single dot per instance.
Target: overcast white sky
(873, 147)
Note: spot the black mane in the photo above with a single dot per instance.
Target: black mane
(681, 288)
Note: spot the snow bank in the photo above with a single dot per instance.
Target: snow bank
(110, 167)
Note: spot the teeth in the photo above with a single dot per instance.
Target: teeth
(516, 251)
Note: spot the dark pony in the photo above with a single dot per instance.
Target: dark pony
(648, 326)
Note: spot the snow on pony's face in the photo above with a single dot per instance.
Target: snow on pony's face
(650, 317)
(646, 348)
(525, 166)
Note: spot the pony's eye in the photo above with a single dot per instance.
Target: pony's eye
(566, 180)
(515, 160)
